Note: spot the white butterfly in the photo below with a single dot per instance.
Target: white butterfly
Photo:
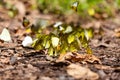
(27, 41)
(5, 35)
(75, 5)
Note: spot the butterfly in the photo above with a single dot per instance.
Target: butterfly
(5, 35)
(75, 5)
(25, 22)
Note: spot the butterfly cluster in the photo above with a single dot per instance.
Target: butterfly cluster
(62, 38)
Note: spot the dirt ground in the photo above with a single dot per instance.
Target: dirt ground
(19, 63)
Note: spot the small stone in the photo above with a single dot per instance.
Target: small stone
(13, 60)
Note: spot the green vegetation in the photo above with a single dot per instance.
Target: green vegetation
(86, 8)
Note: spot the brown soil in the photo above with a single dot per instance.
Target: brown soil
(19, 63)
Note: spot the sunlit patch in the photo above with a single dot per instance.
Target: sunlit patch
(75, 5)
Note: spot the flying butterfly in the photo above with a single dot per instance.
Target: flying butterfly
(75, 5)
(25, 22)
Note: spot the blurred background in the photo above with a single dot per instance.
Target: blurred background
(86, 8)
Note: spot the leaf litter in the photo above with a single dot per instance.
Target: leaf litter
(79, 72)
(25, 68)
(81, 58)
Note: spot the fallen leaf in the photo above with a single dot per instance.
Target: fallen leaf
(103, 67)
(79, 72)
(4, 60)
(117, 33)
(62, 57)
(45, 78)
(104, 44)
(83, 58)
(5, 35)
(102, 74)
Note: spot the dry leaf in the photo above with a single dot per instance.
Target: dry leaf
(4, 60)
(103, 67)
(79, 72)
(83, 58)
(117, 33)
(105, 44)
(62, 56)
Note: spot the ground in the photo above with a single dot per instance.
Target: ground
(19, 63)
